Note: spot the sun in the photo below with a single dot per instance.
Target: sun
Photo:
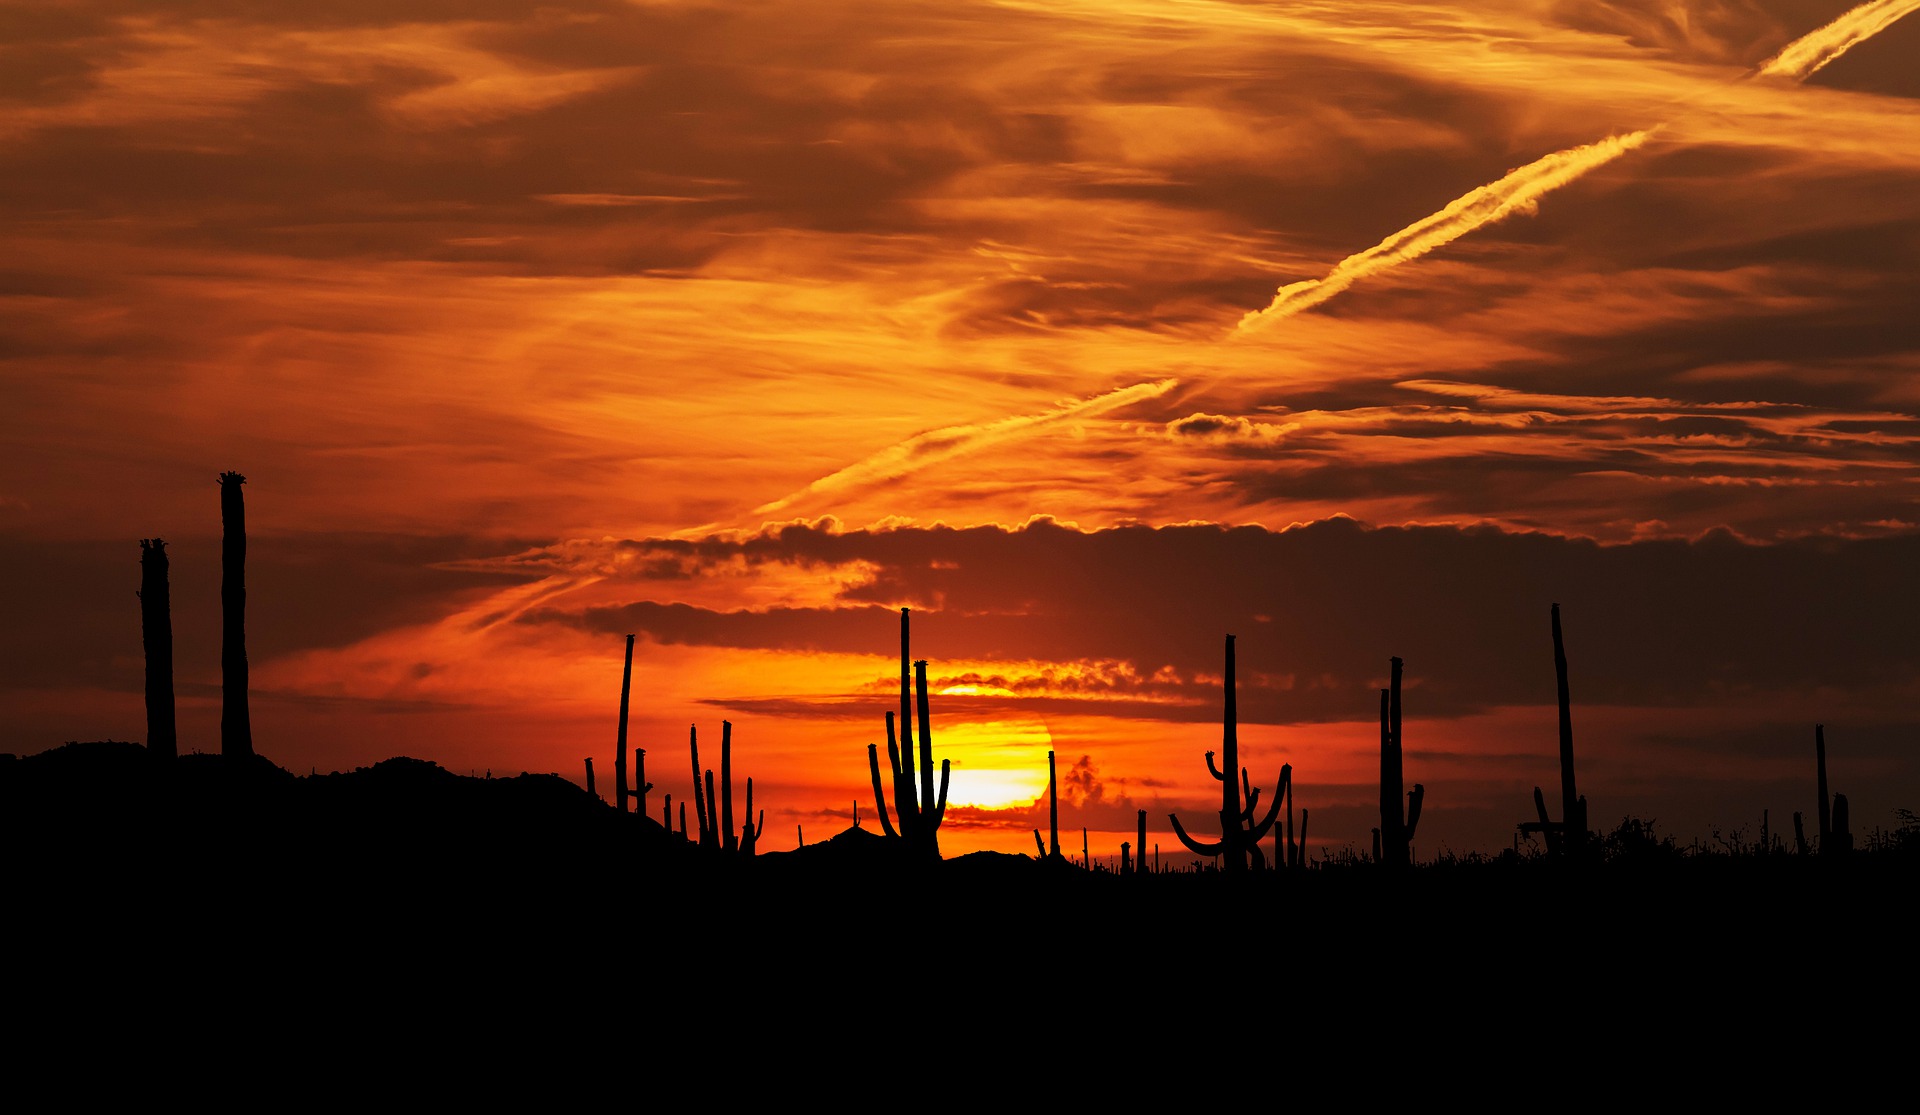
(999, 764)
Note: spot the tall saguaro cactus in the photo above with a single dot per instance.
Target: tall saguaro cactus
(1396, 829)
(1240, 836)
(1569, 835)
(156, 638)
(920, 813)
(236, 726)
(620, 738)
(1051, 851)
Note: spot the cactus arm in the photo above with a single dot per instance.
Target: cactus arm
(940, 811)
(1414, 797)
(1259, 857)
(1253, 799)
(926, 747)
(905, 806)
(1213, 770)
(1273, 810)
(1197, 847)
(1039, 846)
(699, 803)
(879, 800)
(711, 834)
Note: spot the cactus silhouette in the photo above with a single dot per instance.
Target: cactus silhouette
(919, 816)
(620, 738)
(1396, 830)
(1051, 851)
(236, 726)
(1140, 843)
(1567, 836)
(1240, 836)
(156, 639)
(716, 819)
(1835, 837)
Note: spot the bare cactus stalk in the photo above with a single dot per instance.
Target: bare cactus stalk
(1053, 809)
(620, 741)
(1820, 778)
(236, 725)
(1140, 840)
(156, 637)
(590, 790)
(641, 785)
(699, 802)
(728, 839)
(1573, 807)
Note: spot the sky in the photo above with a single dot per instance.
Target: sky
(1091, 332)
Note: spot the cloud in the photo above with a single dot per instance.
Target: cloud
(1521, 190)
(935, 446)
(1045, 617)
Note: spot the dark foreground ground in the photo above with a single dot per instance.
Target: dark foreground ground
(401, 906)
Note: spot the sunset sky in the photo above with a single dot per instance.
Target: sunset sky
(1090, 330)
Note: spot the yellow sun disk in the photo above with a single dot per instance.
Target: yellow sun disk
(996, 764)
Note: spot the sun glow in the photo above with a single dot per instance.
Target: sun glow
(996, 764)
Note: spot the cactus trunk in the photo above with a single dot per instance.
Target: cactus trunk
(1053, 809)
(236, 726)
(620, 736)
(1820, 780)
(1396, 828)
(156, 637)
(1573, 808)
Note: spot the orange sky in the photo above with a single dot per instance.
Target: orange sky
(740, 326)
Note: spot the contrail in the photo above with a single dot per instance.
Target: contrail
(1520, 189)
(934, 446)
(1523, 188)
(1804, 57)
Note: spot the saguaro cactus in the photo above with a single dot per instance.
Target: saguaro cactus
(1835, 835)
(716, 818)
(1240, 836)
(156, 637)
(919, 815)
(1140, 844)
(620, 737)
(236, 726)
(1396, 829)
(1568, 835)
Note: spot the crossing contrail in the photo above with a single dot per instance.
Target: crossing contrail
(1522, 189)
(938, 445)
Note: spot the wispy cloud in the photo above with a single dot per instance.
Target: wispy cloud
(1522, 189)
(948, 442)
